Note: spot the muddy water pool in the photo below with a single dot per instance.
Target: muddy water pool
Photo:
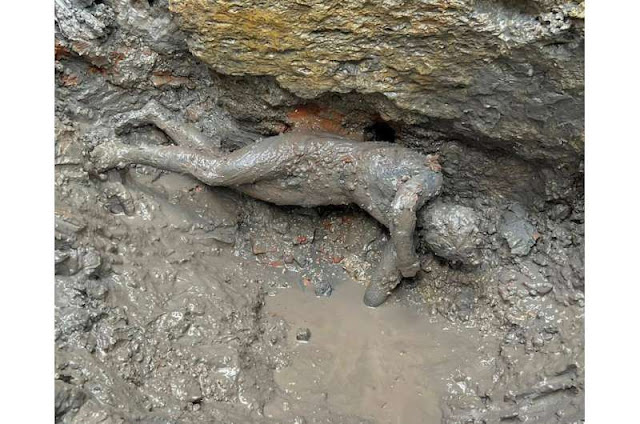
(391, 364)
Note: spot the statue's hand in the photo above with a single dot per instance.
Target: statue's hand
(124, 122)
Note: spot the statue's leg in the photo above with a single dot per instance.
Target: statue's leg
(170, 158)
(385, 278)
(183, 134)
(241, 167)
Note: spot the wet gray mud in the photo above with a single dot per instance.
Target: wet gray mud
(392, 364)
(176, 302)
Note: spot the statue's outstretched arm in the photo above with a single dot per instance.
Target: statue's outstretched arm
(182, 133)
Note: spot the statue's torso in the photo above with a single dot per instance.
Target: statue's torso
(322, 169)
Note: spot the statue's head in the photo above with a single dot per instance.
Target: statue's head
(451, 232)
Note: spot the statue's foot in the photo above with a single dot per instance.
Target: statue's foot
(107, 156)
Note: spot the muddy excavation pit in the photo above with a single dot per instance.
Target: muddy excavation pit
(177, 302)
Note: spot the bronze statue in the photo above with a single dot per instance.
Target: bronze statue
(388, 181)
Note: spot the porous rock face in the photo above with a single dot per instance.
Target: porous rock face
(499, 71)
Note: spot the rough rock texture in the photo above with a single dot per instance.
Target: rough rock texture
(161, 281)
(506, 72)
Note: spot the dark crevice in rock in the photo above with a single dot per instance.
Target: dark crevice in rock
(380, 131)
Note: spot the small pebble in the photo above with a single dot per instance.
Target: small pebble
(303, 334)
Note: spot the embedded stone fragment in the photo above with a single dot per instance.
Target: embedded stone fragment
(520, 234)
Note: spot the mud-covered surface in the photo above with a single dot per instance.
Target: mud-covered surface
(177, 302)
